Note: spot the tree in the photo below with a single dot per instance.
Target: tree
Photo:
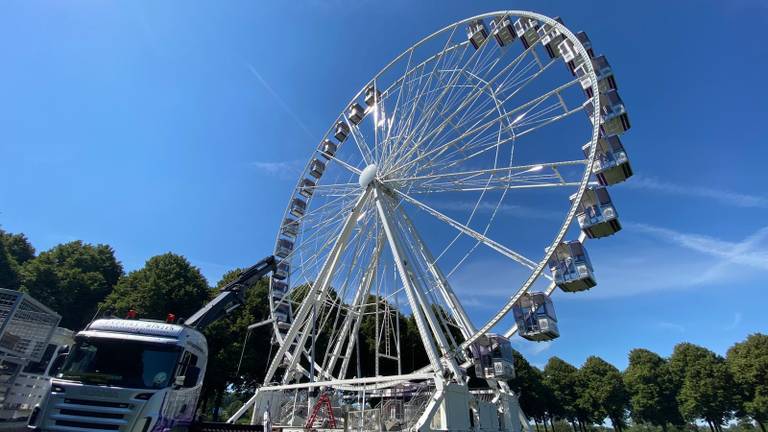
(72, 278)
(748, 363)
(15, 250)
(528, 383)
(167, 283)
(603, 393)
(705, 385)
(241, 357)
(18, 246)
(560, 378)
(651, 386)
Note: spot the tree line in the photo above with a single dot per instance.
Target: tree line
(693, 385)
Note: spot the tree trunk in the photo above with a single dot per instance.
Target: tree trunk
(536, 424)
(664, 427)
(711, 428)
(217, 404)
(573, 425)
(544, 422)
(762, 426)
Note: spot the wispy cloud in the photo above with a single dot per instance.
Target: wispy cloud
(736, 321)
(664, 325)
(721, 195)
(285, 170)
(280, 101)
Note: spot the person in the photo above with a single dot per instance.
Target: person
(267, 420)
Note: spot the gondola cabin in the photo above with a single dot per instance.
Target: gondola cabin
(571, 56)
(284, 248)
(527, 30)
(493, 357)
(604, 73)
(535, 317)
(611, 161)
(290, 228)
(342, 131)
(316, 168)
(279, 289)
(282, 271)
(372, 95)
(355, 113)
(551, 38)
(307, 187)
(328, 148)
(571, 268)
(282, 313)
(298, 207)
(503, 31)
(596, 214)
(477, 33)
(613, 116)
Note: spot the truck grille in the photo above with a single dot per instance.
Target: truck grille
(91, 415)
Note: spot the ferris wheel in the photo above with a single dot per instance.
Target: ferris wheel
(458, 188)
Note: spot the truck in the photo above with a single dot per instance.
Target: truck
(139, 375)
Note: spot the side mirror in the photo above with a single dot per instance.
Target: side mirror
(190, 379)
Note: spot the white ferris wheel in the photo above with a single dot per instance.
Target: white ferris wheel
(458, 187)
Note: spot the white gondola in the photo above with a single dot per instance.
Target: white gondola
(477, 33)
(613, 118)
(502, 30)
(316, 168)
(355, 113)
(605, 79)
(535, 317)
(279, 288)
(290, 228)
(372, 95)
(611, 161)
(282, 313)
(284, 248)
(342, 131)
(298, 207)
(551, 38)
(282, 271)
(493, 357)
(306, 188)
(328, 148)
(571, 268)
(596, 214)
(571, 56)
(527, 30)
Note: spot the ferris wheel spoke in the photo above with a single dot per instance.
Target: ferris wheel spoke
(509, 253)
(437, 151)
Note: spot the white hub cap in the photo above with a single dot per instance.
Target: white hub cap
(367, 176)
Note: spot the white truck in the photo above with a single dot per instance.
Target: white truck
(139, 375)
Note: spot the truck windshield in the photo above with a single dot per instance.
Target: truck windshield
(120, 363)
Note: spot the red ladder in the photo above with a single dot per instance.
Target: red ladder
(323, 401)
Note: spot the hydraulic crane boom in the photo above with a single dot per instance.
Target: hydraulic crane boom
(232, 295)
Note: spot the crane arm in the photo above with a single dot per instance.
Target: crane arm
(232, 295)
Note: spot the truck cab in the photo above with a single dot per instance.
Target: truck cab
(126, 375)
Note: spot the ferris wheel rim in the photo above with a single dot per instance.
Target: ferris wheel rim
(537, 271)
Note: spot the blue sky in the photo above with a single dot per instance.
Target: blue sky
(176, 126)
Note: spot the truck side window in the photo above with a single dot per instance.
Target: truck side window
(187, 360)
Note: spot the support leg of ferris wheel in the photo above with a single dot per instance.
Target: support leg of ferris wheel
(457, 310)
(353, 319)
(421, 310)
(315, 296)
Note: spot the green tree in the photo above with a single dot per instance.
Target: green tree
(748, 363)
(705, 385)
(603, 393)
(560, 378)
(167, 283)
(534, 396)
(9, 270)
(72, 278)
(651, 386)
(18, 246)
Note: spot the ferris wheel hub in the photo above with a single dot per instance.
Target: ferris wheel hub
(367, 175)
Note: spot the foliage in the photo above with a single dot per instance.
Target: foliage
(649, 381)
(167, 283)
(561, 381)
(15, 250)
(748, 364)
(705, 384)
(72, 278)
(535, 399)
(602, 391)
